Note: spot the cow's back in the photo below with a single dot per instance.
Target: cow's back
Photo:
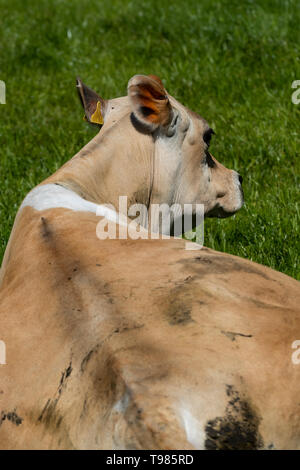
(142, 344)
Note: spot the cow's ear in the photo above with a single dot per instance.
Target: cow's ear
(94, 106)
(149, 100)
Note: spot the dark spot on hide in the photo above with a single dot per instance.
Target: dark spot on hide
(221, 264)
(237, 429)
(12, 417)
(232, 335)
(178, 315)
(45, 229)
(48, 415)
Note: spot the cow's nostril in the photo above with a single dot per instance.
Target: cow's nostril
(240, 179)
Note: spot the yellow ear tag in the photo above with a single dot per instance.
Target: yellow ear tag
(97, 117)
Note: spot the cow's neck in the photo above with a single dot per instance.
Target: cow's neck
(108, 167)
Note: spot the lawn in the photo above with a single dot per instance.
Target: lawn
(231, 61)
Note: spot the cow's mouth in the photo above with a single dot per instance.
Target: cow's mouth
(227, 206)
(220, 213)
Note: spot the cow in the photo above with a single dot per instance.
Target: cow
(123, 343)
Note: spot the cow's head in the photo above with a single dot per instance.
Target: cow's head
(159, 150)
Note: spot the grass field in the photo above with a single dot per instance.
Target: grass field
(231, 61)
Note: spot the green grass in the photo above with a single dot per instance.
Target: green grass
(231, 61)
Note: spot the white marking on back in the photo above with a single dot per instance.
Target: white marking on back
(53, 196)
(193, 429)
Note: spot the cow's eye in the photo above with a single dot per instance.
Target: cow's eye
(207, 136)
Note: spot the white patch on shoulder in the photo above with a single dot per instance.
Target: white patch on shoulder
(53, 196)
(193, 429)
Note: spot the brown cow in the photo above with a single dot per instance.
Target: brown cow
(141, 344)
